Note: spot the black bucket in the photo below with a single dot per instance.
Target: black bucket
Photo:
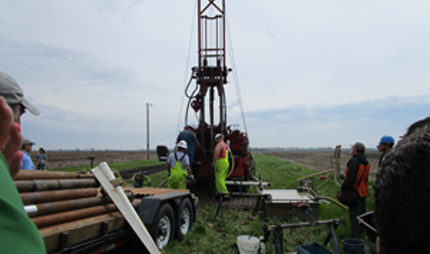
(353, 246)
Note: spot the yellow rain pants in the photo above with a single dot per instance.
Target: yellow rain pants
(177, 178)
(221, 171)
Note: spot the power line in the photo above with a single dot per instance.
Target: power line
(30, 67)
(63, 57)
(236, 78)
(187, 66)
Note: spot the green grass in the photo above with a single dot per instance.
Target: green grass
(210, 235)
(214, 235)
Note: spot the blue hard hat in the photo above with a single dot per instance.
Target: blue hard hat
(387, 139)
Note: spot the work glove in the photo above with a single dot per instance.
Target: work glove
(191, 177)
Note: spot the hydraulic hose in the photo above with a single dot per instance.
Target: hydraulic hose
(309, 176)
(333, 201)
(232, 163)
(316, 197)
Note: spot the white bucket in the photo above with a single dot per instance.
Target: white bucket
(248, 244)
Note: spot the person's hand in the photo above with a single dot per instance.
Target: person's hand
(10, 138)
(191, 177)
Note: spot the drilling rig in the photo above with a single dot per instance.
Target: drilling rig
(208, 98)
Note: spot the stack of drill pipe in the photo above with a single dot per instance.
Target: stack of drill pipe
(54, 198)
(34, 174)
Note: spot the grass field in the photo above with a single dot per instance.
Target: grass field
(214, 235)
(210, 235)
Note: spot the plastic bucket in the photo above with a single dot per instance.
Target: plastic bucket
(353, 246)
(247, 244)
(313, 248)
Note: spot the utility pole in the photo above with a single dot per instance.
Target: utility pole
(147, 129)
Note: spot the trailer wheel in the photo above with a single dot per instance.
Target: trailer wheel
(162, 229)
(185, 218)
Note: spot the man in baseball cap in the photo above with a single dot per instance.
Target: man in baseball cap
(14, 96)
(385, 145)
(26, 147)
(18, 234)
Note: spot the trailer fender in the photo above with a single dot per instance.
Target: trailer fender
(149, 206)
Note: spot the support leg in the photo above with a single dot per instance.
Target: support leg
(334, 238)
(278, 239)
(220, 208)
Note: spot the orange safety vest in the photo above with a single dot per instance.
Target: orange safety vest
(363, 174)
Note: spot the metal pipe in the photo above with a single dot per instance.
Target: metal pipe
(64, 205)
(41, 185)
(247, 183)
(147, 130)
(31, 210)
(57, 218)
(48, 196)
(306, 224)
(309, 176)
(37, 174)
(211, 114)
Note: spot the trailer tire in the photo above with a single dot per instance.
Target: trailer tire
(163, 228)
(185, 218)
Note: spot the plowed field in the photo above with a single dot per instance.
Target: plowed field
(65, 159)
(316, 159)
(321, 159)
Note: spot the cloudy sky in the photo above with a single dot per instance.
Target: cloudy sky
(310, 73)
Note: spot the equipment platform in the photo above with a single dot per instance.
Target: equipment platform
(288, 203)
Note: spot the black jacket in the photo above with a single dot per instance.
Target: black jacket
(353, 165)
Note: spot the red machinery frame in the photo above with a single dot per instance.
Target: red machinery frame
(211, 76)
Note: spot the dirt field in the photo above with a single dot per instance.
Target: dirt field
(321, 159)
(316, 159)
(64, 159)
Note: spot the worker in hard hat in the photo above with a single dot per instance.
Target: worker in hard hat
(189, 135)
(220, 163)
(178, 167)
(385, 145)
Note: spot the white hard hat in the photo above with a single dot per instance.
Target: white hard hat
(219, 135)
(182, 144)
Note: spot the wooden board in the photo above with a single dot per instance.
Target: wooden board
(148, 191)
(81, 230)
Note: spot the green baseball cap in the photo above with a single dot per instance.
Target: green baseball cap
(13, 94)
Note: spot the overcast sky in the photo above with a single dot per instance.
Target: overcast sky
(310, 73)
